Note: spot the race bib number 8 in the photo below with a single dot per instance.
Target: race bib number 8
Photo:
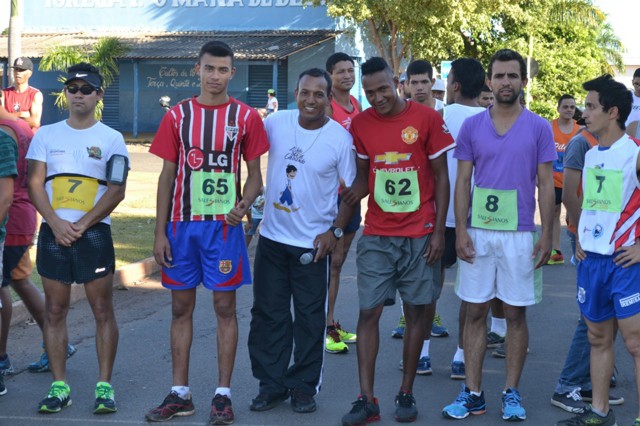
(212, 193)
(397, 192)
(73, 192)
(495, 209)
(603, 190)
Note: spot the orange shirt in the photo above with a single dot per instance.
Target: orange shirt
(561, 139)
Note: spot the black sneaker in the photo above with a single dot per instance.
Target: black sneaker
(57, 399)
(172, 406)
(571, 401)
(266, 401)
(362, 411)
(3, 388)
(589, 418)
(302, 402)
(587, 396)
(221, 411)
(406, 410)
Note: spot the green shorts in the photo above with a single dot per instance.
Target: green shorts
(387, 264)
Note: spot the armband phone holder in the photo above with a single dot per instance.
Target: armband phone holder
(117, 169)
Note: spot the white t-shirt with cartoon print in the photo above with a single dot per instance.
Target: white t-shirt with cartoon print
(303, 178)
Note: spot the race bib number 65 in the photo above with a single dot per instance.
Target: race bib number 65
(397, 192)
(495, 209)
(212, 193)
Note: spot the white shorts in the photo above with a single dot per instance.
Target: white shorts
(502, 268)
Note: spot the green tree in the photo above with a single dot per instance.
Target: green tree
(401, 29)
(570, 39)
(103, 54)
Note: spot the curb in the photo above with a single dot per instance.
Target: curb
(126, 275)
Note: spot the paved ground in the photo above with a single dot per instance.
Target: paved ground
(143, 367)
(142, 373)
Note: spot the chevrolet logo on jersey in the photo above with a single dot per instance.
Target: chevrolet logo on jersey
(392, 157)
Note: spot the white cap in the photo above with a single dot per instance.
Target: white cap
(438, 85)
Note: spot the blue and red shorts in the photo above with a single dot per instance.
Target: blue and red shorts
(606, 290)
(212, 253)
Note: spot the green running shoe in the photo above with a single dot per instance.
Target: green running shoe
(58, 398)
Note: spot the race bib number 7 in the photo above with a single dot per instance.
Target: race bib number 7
(73, 192)
(212, 193)
(603, 190)
(397, 192)
(495, 209)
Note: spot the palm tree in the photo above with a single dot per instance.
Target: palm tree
(15, 34)
(103, 54)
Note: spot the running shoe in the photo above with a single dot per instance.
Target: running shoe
(333, 344)
(587, 396)
(457, 370)
(398, 332)
(424, 366)
(500, 351)
(221, 411)
(466, 403)
(105, 399)
(589, 418)
(266, 401)
(571, 401)
(3, 388)
(58, 398)
(494, 340)
(406, 410)
(362, 412)
(42, 365)
(6, 369)
(437, 329)
(512, 409)
(302, 402)
(172, 406)
(345, 336)
(556, 258)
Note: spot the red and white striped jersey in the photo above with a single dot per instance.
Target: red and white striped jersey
(206, 143)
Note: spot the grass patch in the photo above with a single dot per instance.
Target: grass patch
(132, 237)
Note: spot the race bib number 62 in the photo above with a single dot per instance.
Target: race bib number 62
(397, 192)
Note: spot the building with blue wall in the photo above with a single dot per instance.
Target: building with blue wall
(274, 40)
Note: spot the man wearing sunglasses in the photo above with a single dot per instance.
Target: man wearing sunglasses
(77, 175)
(22, 100)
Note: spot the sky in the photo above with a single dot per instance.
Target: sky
(620, 13)
(623, 17)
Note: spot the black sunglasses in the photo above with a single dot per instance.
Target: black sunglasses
(85, 89)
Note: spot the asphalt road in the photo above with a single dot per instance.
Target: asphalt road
(142, 375)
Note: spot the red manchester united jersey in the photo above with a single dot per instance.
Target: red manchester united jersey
(206, 143)
(401, 182)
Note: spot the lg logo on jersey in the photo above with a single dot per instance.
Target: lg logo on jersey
(215, 159)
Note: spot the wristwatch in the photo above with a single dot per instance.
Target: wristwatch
(337, 232)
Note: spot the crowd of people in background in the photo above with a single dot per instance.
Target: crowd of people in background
(452, 168)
